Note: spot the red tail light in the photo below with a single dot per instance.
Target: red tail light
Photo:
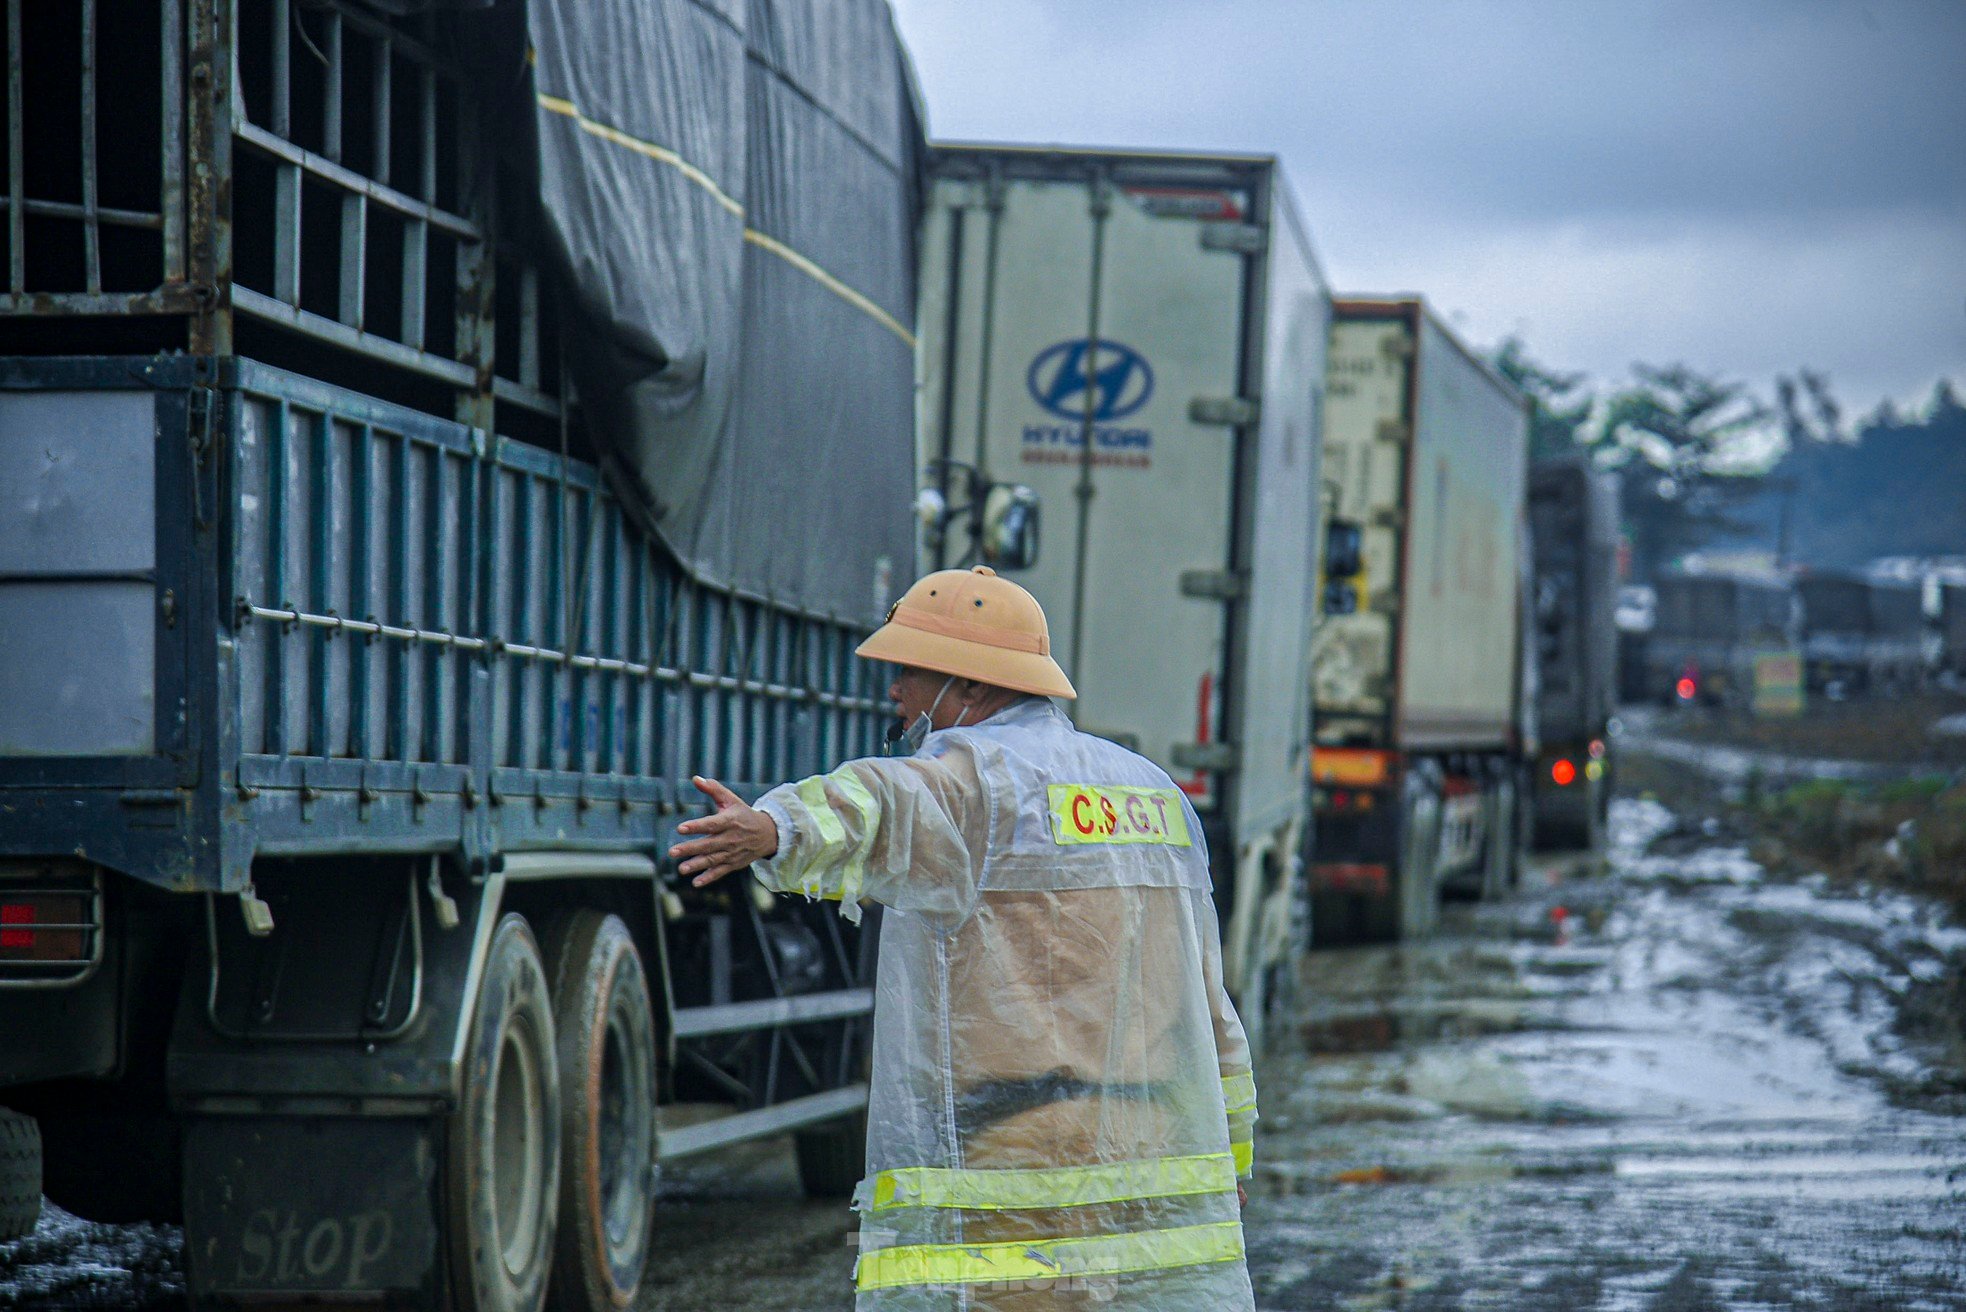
(44, 927)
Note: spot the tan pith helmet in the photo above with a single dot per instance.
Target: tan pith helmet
(974, 625)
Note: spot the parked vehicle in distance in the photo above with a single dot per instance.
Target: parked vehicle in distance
(1573, 529)
(350, 683)
(1638, 608)
(1861, 636)
(1140, 337)
(1952, 628)
(1709, 630)
(1420, 719)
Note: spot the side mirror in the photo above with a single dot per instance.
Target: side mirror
(1344, 547)
(1010, 526)
(932, 509)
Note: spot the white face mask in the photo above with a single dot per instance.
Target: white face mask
(908, 741)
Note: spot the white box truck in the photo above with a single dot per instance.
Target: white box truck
(1424, 725)
(1139, 338)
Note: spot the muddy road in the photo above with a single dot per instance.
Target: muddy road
(1666, 1084)
(1669, 1086)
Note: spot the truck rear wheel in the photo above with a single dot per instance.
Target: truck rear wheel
(606, 1050)
(20, 1174)
(1411, 913)
(504, 1170)
(1501, 855)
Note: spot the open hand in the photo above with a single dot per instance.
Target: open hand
(733, 836)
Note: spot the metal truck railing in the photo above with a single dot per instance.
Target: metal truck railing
(314, 170)
(609, 673)
(44, 201)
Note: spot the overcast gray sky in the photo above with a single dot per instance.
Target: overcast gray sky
(1745, 185)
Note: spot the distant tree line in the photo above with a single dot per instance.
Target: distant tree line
(1704, 463)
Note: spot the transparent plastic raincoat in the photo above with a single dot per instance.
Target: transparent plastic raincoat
(1061, 1090)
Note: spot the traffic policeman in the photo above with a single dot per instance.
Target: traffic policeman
(1061, 1097)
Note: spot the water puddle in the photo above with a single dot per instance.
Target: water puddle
(1669, 1085)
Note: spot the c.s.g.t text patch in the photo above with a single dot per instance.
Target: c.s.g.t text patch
(1112, 813)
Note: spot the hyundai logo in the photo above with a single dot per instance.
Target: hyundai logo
(1059, 380)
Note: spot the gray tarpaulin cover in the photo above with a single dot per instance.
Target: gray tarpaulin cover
(732, 186)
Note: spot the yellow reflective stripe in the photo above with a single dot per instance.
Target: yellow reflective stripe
(867, 813)
(1239, 1092)
(1245, 1155)
(832, 834)
(1085, 813)
(1048, 1259)
(1059, 1186)
(852, 864)
(607, 132)
(594, 127)
(830, 283)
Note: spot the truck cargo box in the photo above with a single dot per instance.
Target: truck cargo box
(1426, 452)
(1723, 608)
(1847, 604)
(1861, 634)
(313, 622)
(1139, 337)
(1709, 631)
(695, 219)
(1952, 627)
(1573, 518)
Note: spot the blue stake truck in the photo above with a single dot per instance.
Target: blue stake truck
(411, 428)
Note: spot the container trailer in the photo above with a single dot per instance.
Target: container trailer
(1634, 618)
(372, 385)
(1860, 635)
(1709, 631)
(1573, 522)
(1952, 628)
(1423, 725)
(1139, 337)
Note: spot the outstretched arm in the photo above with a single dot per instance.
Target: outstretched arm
(893, 831)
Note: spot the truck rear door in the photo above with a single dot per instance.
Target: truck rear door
(1094, 335)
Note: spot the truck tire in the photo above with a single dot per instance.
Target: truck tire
(607, 1060)
(832, 1157)
(20, 1174)
(504, 1167)
(1414, 907)
(1501, 857)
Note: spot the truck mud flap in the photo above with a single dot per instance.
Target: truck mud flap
(315, 1070)
(285, 1209)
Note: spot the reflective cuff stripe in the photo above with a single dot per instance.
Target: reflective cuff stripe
(1061, 1186)
(1048, 1259)
(1239, 1092)
(852, 865)
(812, 793)
(1245, 1155)
(867, 814)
